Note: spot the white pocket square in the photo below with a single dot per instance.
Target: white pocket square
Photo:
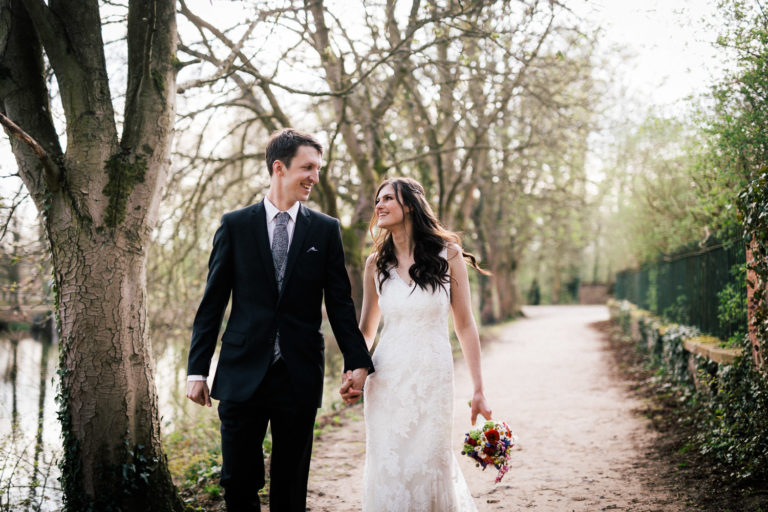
(312, 249)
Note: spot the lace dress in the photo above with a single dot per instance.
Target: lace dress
(408, 404)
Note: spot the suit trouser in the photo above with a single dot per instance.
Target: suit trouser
(243, 427)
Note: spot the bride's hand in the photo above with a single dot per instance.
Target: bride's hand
(480, 406)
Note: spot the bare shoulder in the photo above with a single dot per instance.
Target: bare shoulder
(453, 250)
(370, 261)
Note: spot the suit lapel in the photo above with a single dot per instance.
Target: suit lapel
(300, 231)
(262, 242)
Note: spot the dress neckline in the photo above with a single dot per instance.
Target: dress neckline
(397, 274)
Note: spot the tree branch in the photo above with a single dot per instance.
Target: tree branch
(18, 198)
(151, 89)
(71, 35)
(51, 169)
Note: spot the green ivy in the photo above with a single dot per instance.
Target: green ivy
(730, 404)
(739, 137)
(732, 305)
(735, 429)
(753, 207)
(75, 499)
(674, 357)
(124, 172)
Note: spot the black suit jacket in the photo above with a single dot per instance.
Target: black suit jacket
(241, 265)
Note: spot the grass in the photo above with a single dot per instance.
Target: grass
(194, 460)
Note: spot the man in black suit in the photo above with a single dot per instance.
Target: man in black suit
(277, 259)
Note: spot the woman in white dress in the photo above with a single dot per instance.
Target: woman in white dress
(415, 278)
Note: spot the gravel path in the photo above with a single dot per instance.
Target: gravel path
(580, 446)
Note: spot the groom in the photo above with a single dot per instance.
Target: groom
(277, 259)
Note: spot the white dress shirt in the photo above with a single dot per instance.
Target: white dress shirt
(271, 211)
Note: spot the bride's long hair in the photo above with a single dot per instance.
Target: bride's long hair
(429, 238)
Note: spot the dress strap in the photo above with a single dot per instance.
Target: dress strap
(444, 255)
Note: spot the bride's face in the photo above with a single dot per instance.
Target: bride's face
(388, 210)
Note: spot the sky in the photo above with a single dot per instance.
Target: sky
(664, 56)
(670, 49)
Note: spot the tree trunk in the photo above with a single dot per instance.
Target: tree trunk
(109, 408)
(487, 310)
(98, 201)
(354, 237)
(557, 277)
(506, 289)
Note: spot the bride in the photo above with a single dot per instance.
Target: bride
(415, 276)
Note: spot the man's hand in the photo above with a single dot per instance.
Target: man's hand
(352, 383)
(197, 391)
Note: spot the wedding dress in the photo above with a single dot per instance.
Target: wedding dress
(408, 403)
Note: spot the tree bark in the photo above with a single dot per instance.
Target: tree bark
(487, 310)
(115, 451)
(754, 283)
(506, 289)
(98, 201)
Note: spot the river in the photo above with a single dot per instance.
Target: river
(30, 435)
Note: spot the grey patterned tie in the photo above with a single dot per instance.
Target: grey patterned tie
(279, 255)
(280, 246)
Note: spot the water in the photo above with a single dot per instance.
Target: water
(30, 434)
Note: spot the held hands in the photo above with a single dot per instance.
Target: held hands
(352, 383)
(479, 405)
(197, 391)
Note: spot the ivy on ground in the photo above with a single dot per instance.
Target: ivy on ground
(735, 428)
(730, 404)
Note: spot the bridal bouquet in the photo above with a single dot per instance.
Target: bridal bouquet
(491, 445)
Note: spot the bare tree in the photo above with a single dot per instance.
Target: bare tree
(441, 91)
(514, 92)
(355, 81)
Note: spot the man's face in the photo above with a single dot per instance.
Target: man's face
(296, 181)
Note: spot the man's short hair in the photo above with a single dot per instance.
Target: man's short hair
(284, 144)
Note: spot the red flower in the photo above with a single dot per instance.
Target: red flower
(489, 450)
(492, 436)
(471, 442)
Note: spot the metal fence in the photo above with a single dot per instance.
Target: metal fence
(684, 287)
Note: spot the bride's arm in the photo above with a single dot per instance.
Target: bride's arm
(369, 325)
(370, 313)
(466, 329)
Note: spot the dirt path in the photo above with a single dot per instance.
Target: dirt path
(580, 446)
